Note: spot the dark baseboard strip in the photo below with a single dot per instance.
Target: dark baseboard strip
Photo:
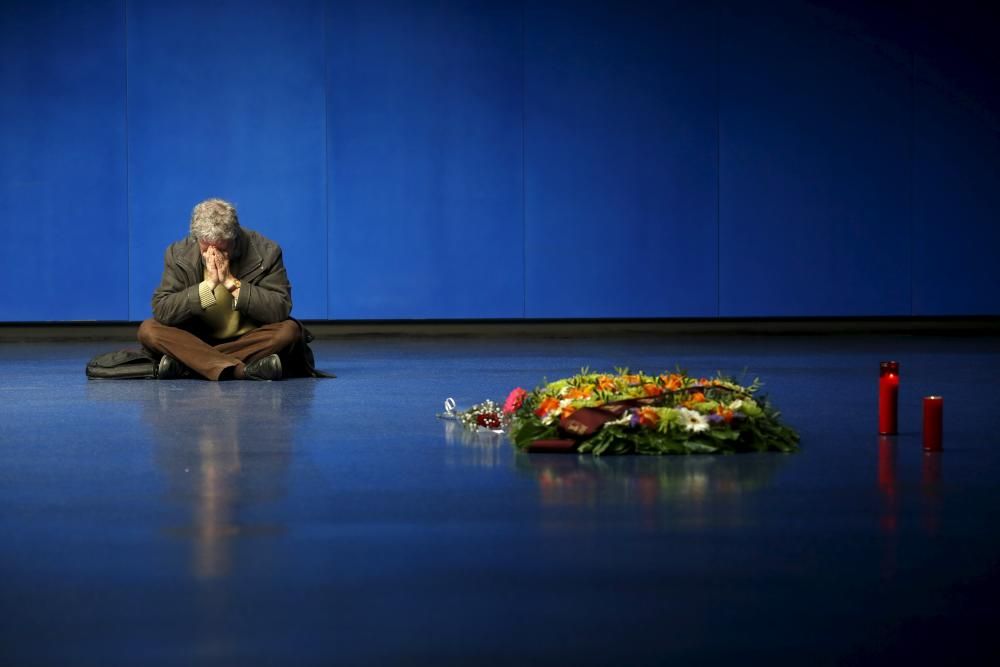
(326, 329)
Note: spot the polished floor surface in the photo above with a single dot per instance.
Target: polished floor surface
(322, 522)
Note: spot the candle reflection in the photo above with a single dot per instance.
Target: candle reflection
(930, 487)
(887, 484)
(893, 492)
(888, 487)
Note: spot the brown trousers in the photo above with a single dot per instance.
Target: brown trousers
(210, 359)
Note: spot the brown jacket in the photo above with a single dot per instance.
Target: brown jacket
(265, 294)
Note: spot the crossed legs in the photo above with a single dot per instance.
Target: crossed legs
(211, 361)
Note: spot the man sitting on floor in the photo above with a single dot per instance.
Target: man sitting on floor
(222, 308)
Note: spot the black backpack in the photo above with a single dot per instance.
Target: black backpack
(122, 365)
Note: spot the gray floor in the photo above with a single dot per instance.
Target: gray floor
(312, 522)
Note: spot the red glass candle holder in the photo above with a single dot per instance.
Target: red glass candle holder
(933, 422)
(888, 397)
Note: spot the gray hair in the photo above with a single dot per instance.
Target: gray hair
(214, 220)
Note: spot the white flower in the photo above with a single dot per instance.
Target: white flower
(624, 420)
(692, 421)
(736, 405)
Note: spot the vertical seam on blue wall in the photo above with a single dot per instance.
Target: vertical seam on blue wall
(913, 151)
(128, 179)
(524, 189)
(718, 159)
(326, 157)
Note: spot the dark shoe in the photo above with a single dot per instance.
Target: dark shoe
(265, 368)
(171, 369)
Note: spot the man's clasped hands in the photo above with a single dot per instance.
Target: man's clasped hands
(217, 268)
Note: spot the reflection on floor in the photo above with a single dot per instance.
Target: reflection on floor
(313, 522)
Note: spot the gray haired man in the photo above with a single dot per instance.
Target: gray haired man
(222, 308)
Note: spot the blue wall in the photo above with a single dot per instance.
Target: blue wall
(424, 159)
(64, 237)
(478, 159)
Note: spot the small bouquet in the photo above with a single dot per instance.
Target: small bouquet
(625, 413)
(486, 415)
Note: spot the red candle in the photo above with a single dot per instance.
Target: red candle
(888, 396)
(933, 416)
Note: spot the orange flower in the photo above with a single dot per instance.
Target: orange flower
(631, 379)
(604, 383)
(648, 417)
(696, 397)
(567, 411)
(575, 393)
(547, 405)
(672, 381)
(727, 415)
(651, 389)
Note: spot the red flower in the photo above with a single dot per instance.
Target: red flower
(488, 420)
(514, 401)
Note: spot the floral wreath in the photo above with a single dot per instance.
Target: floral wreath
(625, 413)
